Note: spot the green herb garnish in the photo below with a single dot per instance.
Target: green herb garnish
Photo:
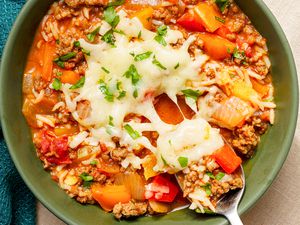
(86, 52)
(133, 74)
(87, 179)
(110, 121)
(76, 44)
(105, 91)
(56, 84)
(239, 54)
(139, 34)
(135, 93)
(183, 161)
(176, 67)
(142, 56)
(91, 36)
(133, 133)
(67, 56)
(94, 162)
(210, 175)
(164, 161)
(111, 16)
(219, 19)
(158, 64)
(116, 3)
(109, 37)
(79, 84)
(222, 4)
(220, 175)
(161, 33)
(189, 93)
(105, 70)
(207, 188)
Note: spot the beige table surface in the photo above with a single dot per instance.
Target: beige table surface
(281, 204)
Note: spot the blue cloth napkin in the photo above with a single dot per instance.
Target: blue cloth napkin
(17, 203)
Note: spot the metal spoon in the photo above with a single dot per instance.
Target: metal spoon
(228, 204)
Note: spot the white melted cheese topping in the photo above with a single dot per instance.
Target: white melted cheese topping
(191, 138)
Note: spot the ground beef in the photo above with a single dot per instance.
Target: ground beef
(77, 3)
(167, 14)
(219, 188)
(129, 209)
(247, 137)
(118, 154)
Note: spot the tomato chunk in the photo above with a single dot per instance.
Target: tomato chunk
(161, 189)
(191, 22)
(227, 159)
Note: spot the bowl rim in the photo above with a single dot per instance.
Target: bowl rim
(283, 154)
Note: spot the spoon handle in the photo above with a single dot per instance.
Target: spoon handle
(234, 218)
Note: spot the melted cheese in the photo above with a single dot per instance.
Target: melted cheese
(191, 138)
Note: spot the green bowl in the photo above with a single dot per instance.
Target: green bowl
(260, 171)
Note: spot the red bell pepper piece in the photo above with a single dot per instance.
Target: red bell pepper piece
(223, 31)
(191, 22)
(161, 189)
(227, 159)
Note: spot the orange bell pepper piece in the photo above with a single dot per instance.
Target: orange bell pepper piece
(217, 47)
(69, 77)
(48, 55)
(168, 110)
(110, 195)
(144, 15)
(148, 164)
(227, 159)
(209, 16)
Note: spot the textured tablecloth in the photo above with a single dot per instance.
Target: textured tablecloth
(281, 204)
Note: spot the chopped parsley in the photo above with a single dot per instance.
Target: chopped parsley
(133, 74)
(56, 84)
(94, 162)
(133, 133)
(220, 175)
(164, 161)
(67, 56)
(79, 84)
(116, 3)
(189, 93)
(91, 36)
(87, 179)
(210, 175)
(158, 64)
(105, 70)
(219, 19)
(222, 4)
(207, 188)
(60, 60)
(135, 93)
(105, 91)
(110, 121)
(122, 94)
(109, 37)
(86, 52)
(142, 56)
(183, 161)
(239, 54)
(111, 16)
(139, 34)
(161, 33)
(176, 67)
(76, 44)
